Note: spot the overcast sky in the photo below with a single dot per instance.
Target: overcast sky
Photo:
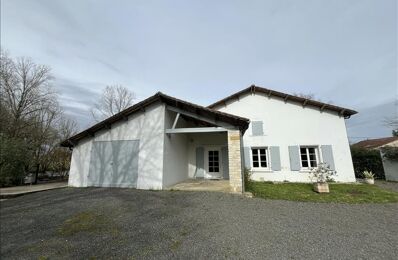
(342, 51)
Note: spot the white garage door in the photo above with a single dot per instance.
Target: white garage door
(114, 164)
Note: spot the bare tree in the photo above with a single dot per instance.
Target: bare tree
(311, 96)
(393, 123)
(31, 116)
(58, 158)
(113, 100)
(25, 90)
(67, 128)
(304, 95)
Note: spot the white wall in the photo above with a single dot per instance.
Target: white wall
(390, 167)
(287, 124)
(390, 170)
(205, 140)
(148, 128)
(175, 163)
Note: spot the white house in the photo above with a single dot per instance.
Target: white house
(162, 140)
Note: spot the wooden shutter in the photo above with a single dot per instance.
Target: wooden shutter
(246, 153)
(257, 128)
(327, 156)
(200, 162)
(275, 158)
(294, 156)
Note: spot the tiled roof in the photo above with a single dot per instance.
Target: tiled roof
(375, 143)
(241, 122)
(346, 112)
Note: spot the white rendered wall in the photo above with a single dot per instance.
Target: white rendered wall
(287, 124)
(148, 128)
(175, 163)
(390, 170)
(391, 167)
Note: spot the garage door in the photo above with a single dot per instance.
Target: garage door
(114, 164)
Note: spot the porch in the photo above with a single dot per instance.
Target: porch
(201, 153)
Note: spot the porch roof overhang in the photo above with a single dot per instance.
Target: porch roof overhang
(195, 130)
(213, 117)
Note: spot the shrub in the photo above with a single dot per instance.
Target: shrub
(368, 175)
(247, 178)
(367, 160)
(13, 157)
(322, 173)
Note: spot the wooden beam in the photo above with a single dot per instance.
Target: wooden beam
(269, 93)
(305, 102)
(342, 112)
(195, 130)
(287, 96)
(72, 143)
(176, 120)
(322, 108)
(201, 118)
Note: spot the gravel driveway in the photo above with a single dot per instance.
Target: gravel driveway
(101, 223)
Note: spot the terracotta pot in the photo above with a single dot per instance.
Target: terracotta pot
(321, 187)
(370, 181)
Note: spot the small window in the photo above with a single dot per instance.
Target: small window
(309, 157)
(260, 157)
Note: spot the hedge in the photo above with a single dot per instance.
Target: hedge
(366, 159)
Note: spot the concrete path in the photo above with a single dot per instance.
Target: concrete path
(22, 190)
(202, 185)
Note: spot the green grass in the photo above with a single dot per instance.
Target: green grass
(87, 221)
(341, 193)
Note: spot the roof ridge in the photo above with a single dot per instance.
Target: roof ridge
(286, 96)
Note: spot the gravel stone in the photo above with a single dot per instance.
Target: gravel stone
(137, 224)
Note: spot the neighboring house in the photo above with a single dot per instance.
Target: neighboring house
(390, 166)
(163, 140)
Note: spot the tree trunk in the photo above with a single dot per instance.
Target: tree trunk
(37, 173)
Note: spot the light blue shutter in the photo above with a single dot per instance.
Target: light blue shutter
(224, 156)
(275, 158)
(246, 152)
(327, 155)
(200, 162)
(294, 156)
(257, 128)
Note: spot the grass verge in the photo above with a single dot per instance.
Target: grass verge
(340, 193)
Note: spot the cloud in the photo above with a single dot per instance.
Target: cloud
(371, 118)
(344, 51)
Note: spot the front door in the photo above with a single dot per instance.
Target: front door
(213, 157)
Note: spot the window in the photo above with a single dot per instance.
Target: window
(309, 157)
(259, 158)
(214, 162)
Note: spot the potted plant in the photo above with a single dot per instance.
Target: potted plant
(369, 177)
(322, 174)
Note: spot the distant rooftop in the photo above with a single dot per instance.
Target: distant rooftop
(375, 143)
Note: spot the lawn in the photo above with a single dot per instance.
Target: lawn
(343, 193)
